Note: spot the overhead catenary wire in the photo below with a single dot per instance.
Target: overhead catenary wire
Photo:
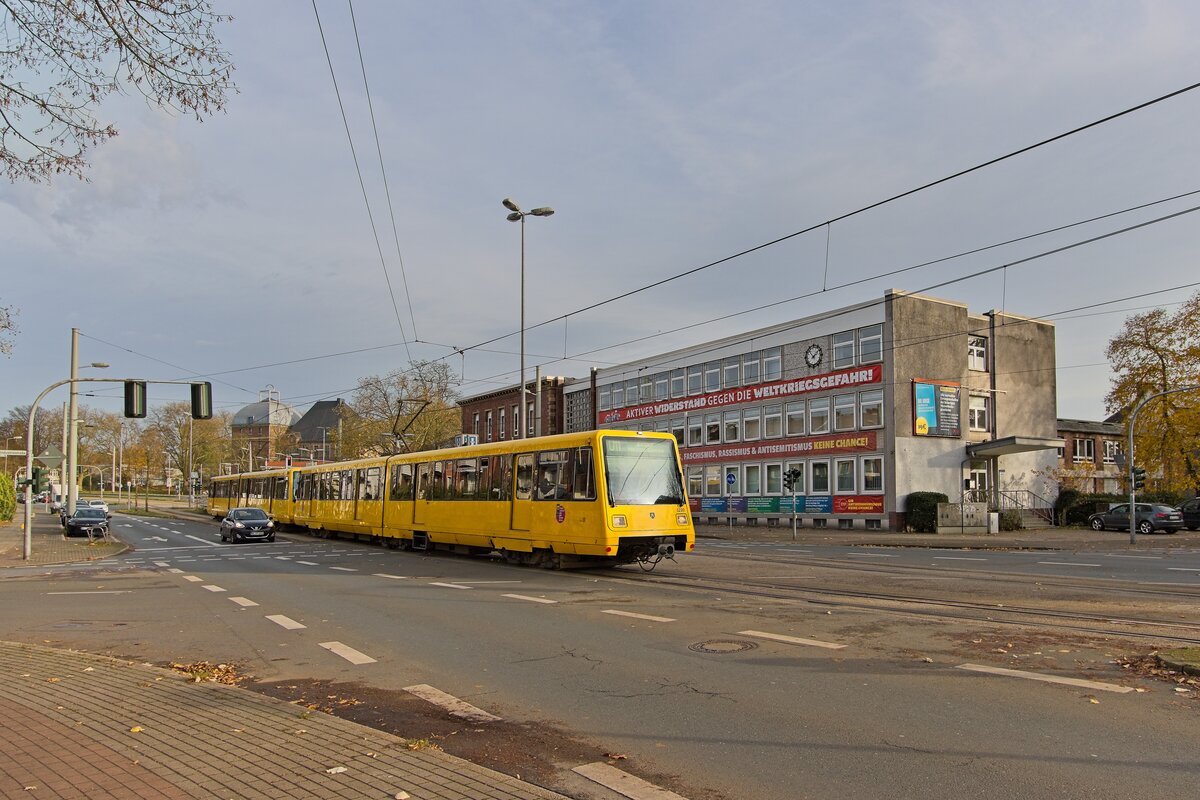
(361, 183)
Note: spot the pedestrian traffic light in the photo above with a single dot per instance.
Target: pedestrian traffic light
(1138, 477)
(135, 399)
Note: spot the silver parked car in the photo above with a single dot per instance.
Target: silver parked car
(1151, 518)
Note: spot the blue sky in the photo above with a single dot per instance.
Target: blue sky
(665, 134)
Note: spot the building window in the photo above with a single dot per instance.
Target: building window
(977, 412)
(712, 481)
(733, 480)
(475, 424)
(977, 353)
(618, 395)
(646, 390)
(772, 422)
(753, 479)
(772, 364)
(712, 428)
(774, 478)
(846, 482)
(843, 412)
(795, 418)
(661, 383)
(818, 416)
(631, 392)
(870, 409)
(872, 474)
(733, 426)
(733, 372)
(843, 349)
(1083, 450)
(1111, 448)
(750, 365)
(677, 430)
(502, 423)
(751, 424)
(874, 524)
(695, 479)
(695, 428)
(712, 377)
(695, 380)
(845, 524)
(870, 344)
(819, 482)
(489, 426)
(678, 382)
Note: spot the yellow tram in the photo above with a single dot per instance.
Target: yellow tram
(592, 497)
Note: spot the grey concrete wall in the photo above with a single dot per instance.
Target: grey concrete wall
(1024, 372)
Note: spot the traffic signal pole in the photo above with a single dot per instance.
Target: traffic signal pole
(1133, 469)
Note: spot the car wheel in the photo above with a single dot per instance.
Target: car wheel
(271, 538)
(1145, 527)
(1097, 524)
(223, 539)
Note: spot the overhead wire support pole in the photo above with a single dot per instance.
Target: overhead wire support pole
(1132, 488)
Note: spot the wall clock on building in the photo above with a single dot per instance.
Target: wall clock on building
(812, 356)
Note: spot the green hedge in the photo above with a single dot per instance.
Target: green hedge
(8, 500)
(921, 514)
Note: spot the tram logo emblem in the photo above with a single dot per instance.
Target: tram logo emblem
(560, 513)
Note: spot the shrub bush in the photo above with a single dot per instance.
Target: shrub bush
(8, 500)
(1010, 520)
(922, 510)
(1066, 498)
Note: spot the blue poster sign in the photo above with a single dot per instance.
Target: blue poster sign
(818, 504)
(737, 505)
(713, 504)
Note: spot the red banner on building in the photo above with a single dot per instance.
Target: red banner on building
(858, 442)
(846, 378)
(858, 504)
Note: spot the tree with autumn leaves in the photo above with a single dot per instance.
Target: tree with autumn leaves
(1156, 352)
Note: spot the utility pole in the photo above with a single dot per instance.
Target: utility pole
(72, 492)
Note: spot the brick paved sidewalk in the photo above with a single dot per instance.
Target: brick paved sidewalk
(74, 725)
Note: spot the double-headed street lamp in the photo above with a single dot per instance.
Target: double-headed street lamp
(518, 215)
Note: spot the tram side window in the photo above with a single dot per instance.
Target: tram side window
(402, 482)
(524, 476)
(466, 479)
(584, 483)
(423, 481)
(369, 489)
(483, 484)
(306, 487)
(437, 481)
(297, 482)
(501, 478)
(449, 486)
(281, 488)
(554, 475)
(348, 484)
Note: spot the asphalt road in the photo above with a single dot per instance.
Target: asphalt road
(824, 701)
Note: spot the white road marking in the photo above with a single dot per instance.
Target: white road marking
(792, 639)
(98, 591)
(957, 558)
(345, 569)
(791, 550)
(530, 599)
(198, 539)
(155, 539)
(623, 783)
(872, 555)
(309, 563)
(176, 547)
(212, 588)
(457, 708)
(1114, 555)
(393, 577)
(283, 558)
(1037, 676)
(175, 570)
(483, 583)
(244, 602)
(192, 578)
(162, 563)
(636, 616)
(285, 622)
(1067, 564)
(1183, 569)
(348, 653)
(450, 585)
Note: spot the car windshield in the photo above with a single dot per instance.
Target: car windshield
(243, 514)
(642, 472)
(89, 513)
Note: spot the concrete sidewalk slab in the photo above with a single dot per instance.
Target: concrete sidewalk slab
(75, 725)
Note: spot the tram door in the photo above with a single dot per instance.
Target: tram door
(421, 497)
(522, 507)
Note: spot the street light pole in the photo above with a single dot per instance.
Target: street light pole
(518, 215)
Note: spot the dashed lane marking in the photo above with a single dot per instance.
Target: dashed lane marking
(777, 637)
(636, 616)
(345, 569)
(872, 555)
(957, 558)
(98, 591)
(162, 563)
(1115, 555)
(1037, 676)
(347, 652)
(1183, 569)
(212, 588)
(175, 570)
(623, 783)
(193, 579)
(309, 563)
(393, 577)
(450, 585)
(530, 599)
(244, 602)
(198, 539)
(1067, 564)
(456, 708)
(285, 622)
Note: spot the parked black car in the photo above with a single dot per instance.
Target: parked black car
(85, 518)
(1151, 517)
(1191, 513)
(247, 525)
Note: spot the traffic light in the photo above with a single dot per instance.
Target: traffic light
(1139, 477)
(135, 399)
(791, 479)
(202, 400)
(38, 480)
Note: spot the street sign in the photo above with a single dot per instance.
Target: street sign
(51, 457)
(7, 453)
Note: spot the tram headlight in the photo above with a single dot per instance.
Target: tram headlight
(619, 521)
(681, 519)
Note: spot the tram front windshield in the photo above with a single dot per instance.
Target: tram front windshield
(642, 472)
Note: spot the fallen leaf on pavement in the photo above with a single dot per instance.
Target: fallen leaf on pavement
(335, 770)
(136, 729)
